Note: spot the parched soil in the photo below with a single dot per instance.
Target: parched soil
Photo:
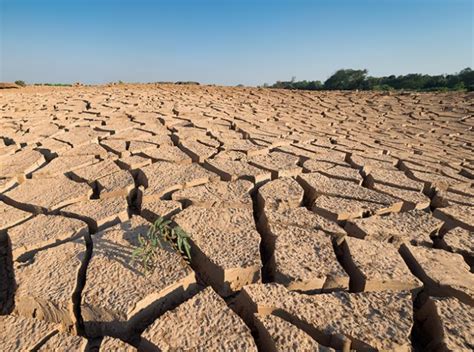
(318, 221)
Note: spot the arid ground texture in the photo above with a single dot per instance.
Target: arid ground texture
(318, 221)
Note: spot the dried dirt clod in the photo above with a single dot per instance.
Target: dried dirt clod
(276, 334)
(304, 260)
(204, 322)
(22, 334)
(414, 226)
(448, 323)
(233, 165)
(281, 194)
(392, 178)
(10, 216)
(278, 163)
(196, 150)
(133, 162)
(99, 213)
(459, 214)
(360, 321)
(118, 294)
(44, 231)
(118, 184)
(110, 344)
(49, 295)
(63, 164)
(459, 240)
(338, 199)
(20, 164)
(7, 183)
(443, 273)
(64, 342)
(234, 194)
(96, 171)
(300, 217)
(152, 209)
(376, 266)
(38, 196)
(168, 153)
(164, 177)
(224, 246)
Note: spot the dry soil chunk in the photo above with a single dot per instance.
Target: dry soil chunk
(64, 342)
(118, 292)
(225, 245)
(233, 165)
(299, 217)
(461, 215)
(412, 199)
(443, 273)
(21, 334)
(305, 260)
(393, 178)
(276, 334)
(376, 266)
(43, 231)
(202, 323)
(110, 344)
(39, 196)
(449, 323)
(99, 213)
(46, 283)
(233, 194)
(20, 164)
(340, 199)
(10, 216)
(360, 321)
(281, 194)
(133, 162)
(6, 184)
(414, 226)
(118, 184)
(168, 153)
(152, 209)
(196, 150)
(278, 163)
(460, 241)
(164, 177)
(64, 164)
(96, 171)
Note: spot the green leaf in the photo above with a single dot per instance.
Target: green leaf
(187, 248)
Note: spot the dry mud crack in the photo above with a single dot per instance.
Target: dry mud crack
(317, 221)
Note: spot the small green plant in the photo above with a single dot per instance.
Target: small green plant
(160, 232)
(20, 83)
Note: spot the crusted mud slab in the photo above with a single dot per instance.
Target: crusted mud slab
(318, 221)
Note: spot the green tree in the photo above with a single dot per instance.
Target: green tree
(347, 79)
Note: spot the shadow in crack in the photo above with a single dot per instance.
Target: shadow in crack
(7, 276)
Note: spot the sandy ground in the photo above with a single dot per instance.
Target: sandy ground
(317, 220)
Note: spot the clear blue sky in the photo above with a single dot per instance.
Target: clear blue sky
(230, 41)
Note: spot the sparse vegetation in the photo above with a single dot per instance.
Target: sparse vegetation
(20, 83)
(192, 83)
(54, 84)
(160, 233)
(349, 79)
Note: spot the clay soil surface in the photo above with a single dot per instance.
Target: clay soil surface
(318, 221)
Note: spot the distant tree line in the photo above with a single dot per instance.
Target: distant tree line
(349, 79)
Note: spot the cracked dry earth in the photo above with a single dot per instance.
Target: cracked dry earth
(318, 221)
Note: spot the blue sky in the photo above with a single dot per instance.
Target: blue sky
(230, 41)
